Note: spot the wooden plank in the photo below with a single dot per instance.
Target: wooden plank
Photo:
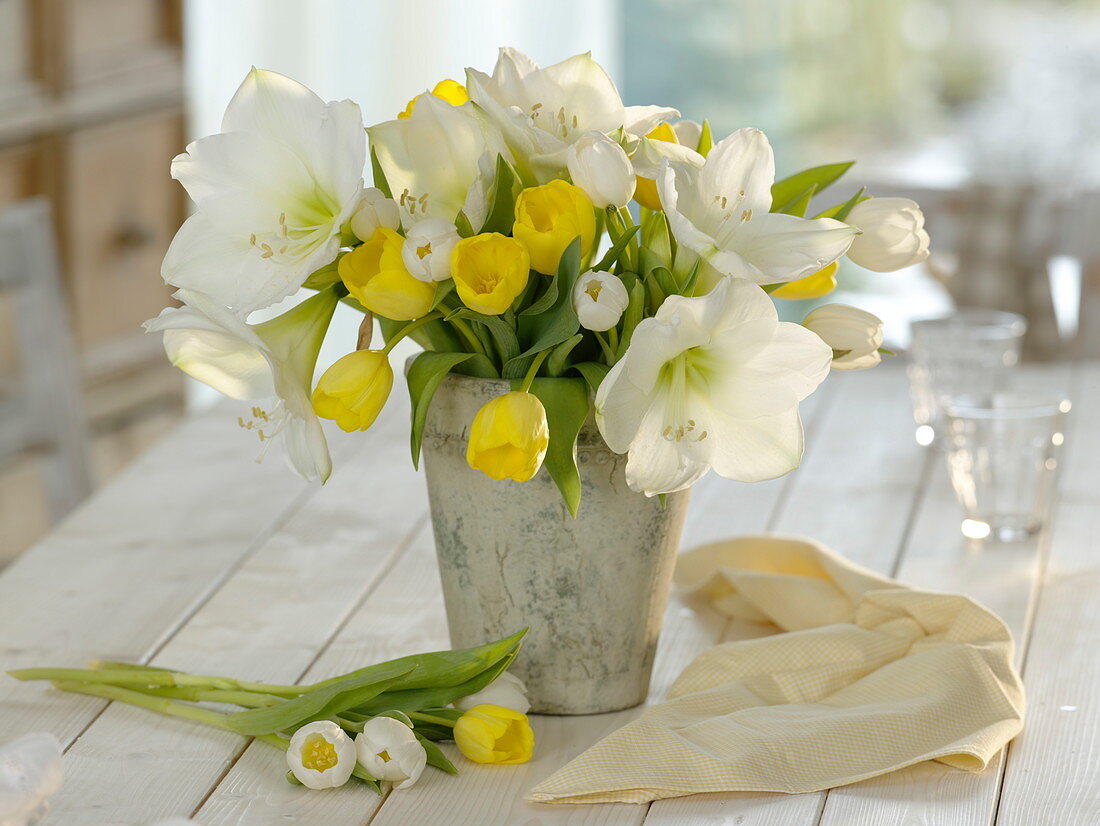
(1004, 577)
(408, 604)
(125, 569)
(854, 493)
(1053, 771)
(268, 621)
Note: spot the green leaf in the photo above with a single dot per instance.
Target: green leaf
(800, 204)
(566, 403)
(665, 280)
(502, 213)
(545, 301)
(612, 255)
(559, 322)
(434, 335)
(633, 315)
(688, 284)
(556, 362)
(706, 140)
(786, 190)
(320, 703)
(436, 757)
(424, 376)
(841, 211)
(656, 250)
(442, 290)
(326, 276)
(379, 176)
(593, 372)
(462, 224)
(503, 333)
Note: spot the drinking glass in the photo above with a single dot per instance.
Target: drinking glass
(969, 352)
(1001, 457)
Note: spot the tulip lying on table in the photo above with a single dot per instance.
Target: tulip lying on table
(378, 723)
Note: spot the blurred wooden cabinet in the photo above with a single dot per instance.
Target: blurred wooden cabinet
(91, 96)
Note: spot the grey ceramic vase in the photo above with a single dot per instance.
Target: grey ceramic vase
(592, 590)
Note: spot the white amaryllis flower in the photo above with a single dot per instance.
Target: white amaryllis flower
(854, 335)
(543, 111)
(893, 234)
(710, 382)
(600, 167)
(321, 755)
(30, 774)
(389, 750)
(274, 191)
(428, 247)
(439, 161)
(599, 298)
(507, 691)
(257, 362)
(375, 210)
(719, 211)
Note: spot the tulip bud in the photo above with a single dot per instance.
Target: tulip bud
(600, 298)
(427, 249)
(508, 437)
(375, 274)
(602, 169)
(893, 234)
(659, 145)
(375, 210)
(389, 750)
(353, 391)
(548, 218)
(688, 132)
(507, 691)
(490, 270)
(448, 90)
(814, 285)
(855, 335)
(493, 734)
(321, 755)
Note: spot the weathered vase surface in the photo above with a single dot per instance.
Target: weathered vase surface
(592, 590)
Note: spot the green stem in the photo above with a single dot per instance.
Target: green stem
(248, 699)
(533, 369)
(468, 334)
(430, 718)
(408, 328)
(631, 250)
(609, 354)
(152, 678)
(613, 338)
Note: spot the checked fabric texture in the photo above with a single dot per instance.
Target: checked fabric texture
(862, 676)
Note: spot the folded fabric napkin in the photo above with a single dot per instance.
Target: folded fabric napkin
(870, 676)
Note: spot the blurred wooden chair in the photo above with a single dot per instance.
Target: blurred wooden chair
(40, 406)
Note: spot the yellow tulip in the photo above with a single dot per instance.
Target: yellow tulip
(449, 90)
(494, 734)
(489, 271)
(353, 391)
(508, 437)
(375, 274)
(645, 189)
(815, 285)
(548, 218)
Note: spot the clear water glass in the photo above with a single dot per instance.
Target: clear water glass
(968, 352)
(1002, 453)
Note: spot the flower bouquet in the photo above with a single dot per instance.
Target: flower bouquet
(592, 285)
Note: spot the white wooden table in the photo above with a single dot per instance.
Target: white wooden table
(199, 559)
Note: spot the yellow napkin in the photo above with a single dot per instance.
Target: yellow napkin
(869, 676)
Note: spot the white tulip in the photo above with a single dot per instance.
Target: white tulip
(602, 169)
(30, 773)
(893, 234)
(375, 210)
(720, 211)
(600, 298)
(428, 247)
(543, 111)
(507, 691)
(435, 160)
(321, 755)
(688, 132)
(274, 359)
(274, 191)
(710, 382)
(389, 750)
(855, 335)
